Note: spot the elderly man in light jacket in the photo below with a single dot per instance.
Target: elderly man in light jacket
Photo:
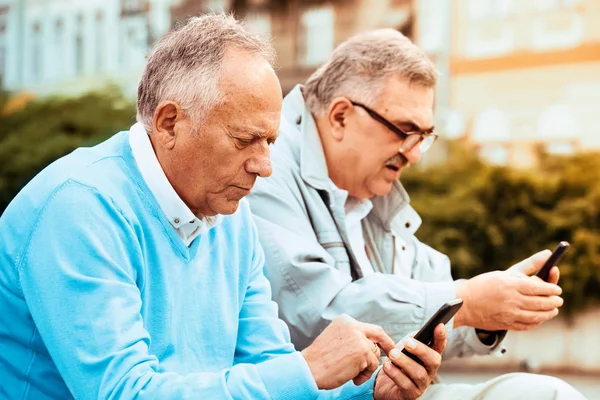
(339, 232)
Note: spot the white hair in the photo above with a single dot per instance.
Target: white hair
(360, 66)
(185, 65)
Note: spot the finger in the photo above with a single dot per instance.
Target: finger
(403, 382)
(377, 335)
(430, 358)
(532, 264)
(541, 303)
(439, 339)
(554, 275)
(535, 287)
(535, 317)
(417, 373)
(365, 374)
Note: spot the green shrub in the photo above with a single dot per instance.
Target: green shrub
(488, 218)
(47, 129)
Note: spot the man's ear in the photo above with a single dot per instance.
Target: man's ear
(166, 116)
(338, 112)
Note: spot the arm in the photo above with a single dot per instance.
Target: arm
(82, 275)
(463, 341)
(259, 314)
(308, 287)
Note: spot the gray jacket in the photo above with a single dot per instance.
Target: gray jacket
(313, 272)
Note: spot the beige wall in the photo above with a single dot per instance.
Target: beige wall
(524, 96)
(525, 75)
(485, 28)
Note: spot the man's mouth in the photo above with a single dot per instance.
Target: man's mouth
(396, 163)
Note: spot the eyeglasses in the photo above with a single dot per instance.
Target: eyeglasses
(409, 139)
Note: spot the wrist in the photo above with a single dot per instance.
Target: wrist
(462, 292)
(313, 372)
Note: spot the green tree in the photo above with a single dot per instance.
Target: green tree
(47, 129)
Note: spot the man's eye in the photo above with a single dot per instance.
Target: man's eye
(244, 142)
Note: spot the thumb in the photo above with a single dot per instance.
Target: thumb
(531, 265)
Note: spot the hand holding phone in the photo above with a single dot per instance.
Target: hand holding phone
(544, 272)
(441, 316)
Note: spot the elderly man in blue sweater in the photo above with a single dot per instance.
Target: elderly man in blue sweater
(132, 269)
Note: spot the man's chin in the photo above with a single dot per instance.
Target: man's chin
(383, 189)
(227, 207)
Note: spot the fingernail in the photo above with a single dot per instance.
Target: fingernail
(410, 343)
(387, 366)
(395, 353)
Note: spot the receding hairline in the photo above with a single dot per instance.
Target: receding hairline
(362, 63)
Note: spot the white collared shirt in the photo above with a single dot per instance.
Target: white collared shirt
(187, 225)
(355, 211)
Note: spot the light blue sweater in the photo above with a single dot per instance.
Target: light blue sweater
(99, 297)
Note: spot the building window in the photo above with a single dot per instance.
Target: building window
(135, 44)
(547, 5)
(219, 5)
(99, 42)
(491, 125)
(316, 35)
(59, 48)
(79, 46)
(36, 53)
(558, 128)
(2, 48)
(259, 22)
(434, 20)
(133, 6)
(489, 9)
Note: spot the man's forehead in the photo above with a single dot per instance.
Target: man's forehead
(401, 101)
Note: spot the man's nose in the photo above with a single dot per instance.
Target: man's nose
(260, 163)
(413, 155)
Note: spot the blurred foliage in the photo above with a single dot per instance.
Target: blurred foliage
(39, 132)
(486, 217)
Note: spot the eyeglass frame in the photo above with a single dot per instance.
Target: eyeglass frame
(403, 135)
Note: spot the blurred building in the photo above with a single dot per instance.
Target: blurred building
(304, 32)
(524, 75)
(517, 76)
(72, 46)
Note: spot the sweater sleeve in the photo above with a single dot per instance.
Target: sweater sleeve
(263, 338)
(81, 276)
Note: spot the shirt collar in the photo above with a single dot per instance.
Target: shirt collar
(354, 209)
(188, 225)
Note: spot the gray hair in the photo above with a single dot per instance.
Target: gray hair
(185, 65)
(359, 67)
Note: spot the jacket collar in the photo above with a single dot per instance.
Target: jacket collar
(313, 167)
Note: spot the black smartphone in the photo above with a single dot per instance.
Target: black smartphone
(561, 249)
(441, 316)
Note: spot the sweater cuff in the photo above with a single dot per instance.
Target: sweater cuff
(288, 377)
